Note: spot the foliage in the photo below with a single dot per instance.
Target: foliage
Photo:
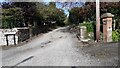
(31, 13)
(75, 16)
(116, 35)
(88, 11)
(51, 13)
(84, 13)
(12, 17)
(28, 9)
(35, 15)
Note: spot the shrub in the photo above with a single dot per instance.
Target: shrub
(116, 35)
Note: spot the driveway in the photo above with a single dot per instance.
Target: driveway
(60, 48)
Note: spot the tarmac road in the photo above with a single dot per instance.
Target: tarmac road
(60, 48)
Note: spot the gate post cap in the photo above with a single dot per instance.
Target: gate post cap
(107, 15)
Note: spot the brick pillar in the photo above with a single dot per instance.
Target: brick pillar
(104, 30)
(107, 27)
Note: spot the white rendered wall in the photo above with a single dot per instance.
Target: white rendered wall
(10, 38)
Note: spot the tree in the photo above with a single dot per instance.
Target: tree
(29, 10)
(87, 11)
(32, 14)
(70, 6)
(51, 13)
(11, 17)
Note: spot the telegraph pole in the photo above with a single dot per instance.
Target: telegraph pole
(1, 14)
(97, 20)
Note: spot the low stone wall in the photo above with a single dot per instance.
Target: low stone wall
(21, 34)
(10, 37)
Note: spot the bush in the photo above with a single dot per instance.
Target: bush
(89, 26)
(116, 35)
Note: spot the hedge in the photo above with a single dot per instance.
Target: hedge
(116, 35)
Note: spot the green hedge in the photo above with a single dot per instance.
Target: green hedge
(116, 35)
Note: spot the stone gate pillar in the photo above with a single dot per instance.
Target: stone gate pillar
(82, 32)
(107, 26)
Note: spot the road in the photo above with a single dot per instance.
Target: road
(59, 48)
